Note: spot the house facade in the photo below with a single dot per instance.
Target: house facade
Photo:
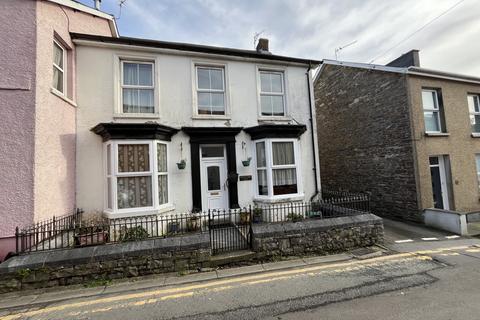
(166, 127)
(407, 135)
(38, 108)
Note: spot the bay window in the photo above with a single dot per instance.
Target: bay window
(136, 175)
(137, 87)
(277, 168)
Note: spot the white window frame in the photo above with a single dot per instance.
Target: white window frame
(153, 173)
(118, 81)
(283, 72)
(474, 113)
(434, 110)
(125, 86)
(270, 167)
(226, 86)
(62, 70)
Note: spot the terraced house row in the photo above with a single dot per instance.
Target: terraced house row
(129, 127)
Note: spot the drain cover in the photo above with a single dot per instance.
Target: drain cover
(365, 253)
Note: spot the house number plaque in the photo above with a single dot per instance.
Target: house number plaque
(245, 178)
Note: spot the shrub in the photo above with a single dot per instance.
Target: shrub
(134, 233)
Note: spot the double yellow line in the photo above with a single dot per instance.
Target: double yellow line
(224, 284)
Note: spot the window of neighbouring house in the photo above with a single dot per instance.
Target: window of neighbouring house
(432, 111)
(136, 175)
(211, 99)
(474, 108)
(277, 168)
(138, 87)
(272, 93)
(59, 67)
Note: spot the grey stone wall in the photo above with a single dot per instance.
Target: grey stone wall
(84, 265)
(365, 138)
(317, 236)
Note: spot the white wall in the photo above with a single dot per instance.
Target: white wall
(96, 103)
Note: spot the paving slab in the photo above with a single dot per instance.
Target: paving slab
(239, 271)
(201, 276)
(284, 264)
(327, 259)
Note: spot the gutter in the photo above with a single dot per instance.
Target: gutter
(314, 149)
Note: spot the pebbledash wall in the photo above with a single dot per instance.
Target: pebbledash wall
(365, 142)
(98, 82)
(37, 136)
(184, 253)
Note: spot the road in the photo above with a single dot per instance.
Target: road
(423, 280)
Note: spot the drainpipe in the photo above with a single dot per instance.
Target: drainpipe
(312, 132)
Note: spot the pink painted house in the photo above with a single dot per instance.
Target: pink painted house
(38, 108)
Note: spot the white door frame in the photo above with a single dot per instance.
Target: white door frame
(207, 162)
(443, 180)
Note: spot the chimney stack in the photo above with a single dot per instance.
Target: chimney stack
(97, 4)
(262, 45)
(409, 59)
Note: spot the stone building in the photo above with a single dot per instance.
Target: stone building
(405, 134)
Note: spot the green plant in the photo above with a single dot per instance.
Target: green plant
(257, 214)
(134, 233)
(23, 273)
(193, 223)
(98, 283)
(294, 217)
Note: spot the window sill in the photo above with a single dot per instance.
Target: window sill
(288, 198)
(207, 117)
(475, 134)
(437, 134)
(136, 115)
(272, 119)
(61, 96)
(140, 212)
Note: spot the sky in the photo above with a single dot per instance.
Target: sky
(313, 29)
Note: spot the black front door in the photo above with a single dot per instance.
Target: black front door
(436, 183)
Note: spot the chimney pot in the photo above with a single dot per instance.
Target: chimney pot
(97, 4)
(262, 45)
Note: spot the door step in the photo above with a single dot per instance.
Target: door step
(231, 257)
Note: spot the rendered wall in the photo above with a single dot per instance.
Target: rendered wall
(55, 117)
(96, 101)
(17, 115)
(460, 146)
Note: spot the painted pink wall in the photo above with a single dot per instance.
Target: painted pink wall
(55, 126)
(17, 114)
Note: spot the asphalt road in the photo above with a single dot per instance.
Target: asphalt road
(435, 281)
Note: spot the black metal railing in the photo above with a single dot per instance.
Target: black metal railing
(229, 229)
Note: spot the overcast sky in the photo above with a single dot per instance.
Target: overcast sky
(313, 29)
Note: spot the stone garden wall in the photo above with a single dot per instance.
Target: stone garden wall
(105, 262)
(188, 252)
(317, 236)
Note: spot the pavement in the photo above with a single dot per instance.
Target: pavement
(419, 279)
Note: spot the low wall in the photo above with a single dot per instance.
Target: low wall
(447, 220)
(317, 236)
(84, 265)
(187, 252)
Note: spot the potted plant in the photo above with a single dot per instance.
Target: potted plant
(193, 223)
(182, 164)
(244, 217)
(88, 236)
(173, 227)
(133, 233)
(257, 215)
(294, 217)
(246, 163)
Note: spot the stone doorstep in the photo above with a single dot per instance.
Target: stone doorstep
(19, 299)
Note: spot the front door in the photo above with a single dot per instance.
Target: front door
(439, 182)
(214, 177)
